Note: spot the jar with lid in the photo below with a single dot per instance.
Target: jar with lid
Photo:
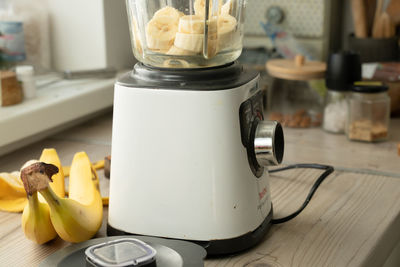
(295, 96)
(343, 69)
(369, 113)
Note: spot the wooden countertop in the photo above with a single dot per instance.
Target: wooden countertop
(352, 220)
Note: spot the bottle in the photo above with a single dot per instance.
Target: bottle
(27, 80)
(12, 44)
(369, 112)
(343, 69)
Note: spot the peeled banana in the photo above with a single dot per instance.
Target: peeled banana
(78, 217)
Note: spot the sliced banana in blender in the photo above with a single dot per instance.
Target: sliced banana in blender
(191, 24)
(176, 51)
(189, 41)
(160, 33)
(226, 8)
(171, 12)
(161, 29)
(227, 33)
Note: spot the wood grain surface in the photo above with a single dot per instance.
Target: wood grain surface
(352, 220)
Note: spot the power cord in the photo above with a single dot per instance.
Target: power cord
(328, 170)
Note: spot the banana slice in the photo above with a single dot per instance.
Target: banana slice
(161, 29)
(176, 51)
(212, 38)
(227, 34)
(191, 24)
(189, 41)
(226, 8)
(171, 12)
(176, 63)
(160, 33)
(200, 6)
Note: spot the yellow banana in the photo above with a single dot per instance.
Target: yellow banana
(12, 193)
(97, 165)
(35, 220)
(50, 156)
(78, 217)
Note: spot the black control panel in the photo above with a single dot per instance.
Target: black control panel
(250, 113)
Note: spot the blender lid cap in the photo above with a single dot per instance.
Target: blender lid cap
(296, 69)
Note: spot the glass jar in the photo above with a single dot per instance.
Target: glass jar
(295, 97)
(335, 111)
(186, 33)
(369, 113)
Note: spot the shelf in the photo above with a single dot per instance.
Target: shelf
(59, 103)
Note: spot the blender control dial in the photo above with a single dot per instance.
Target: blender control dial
(263, 140)
(268, 143)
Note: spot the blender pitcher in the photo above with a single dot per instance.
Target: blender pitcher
(190, 146)
(186, 33)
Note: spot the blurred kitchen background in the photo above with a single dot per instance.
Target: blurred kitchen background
(74, 49)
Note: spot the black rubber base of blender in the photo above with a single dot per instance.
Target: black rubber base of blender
(222, 246)
(225, 77)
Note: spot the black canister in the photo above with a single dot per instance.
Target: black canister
(343, 69)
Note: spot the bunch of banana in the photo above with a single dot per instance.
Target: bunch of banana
(36, 222)
(75, 219)
(12, 193)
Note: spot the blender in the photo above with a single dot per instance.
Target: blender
(190, 145)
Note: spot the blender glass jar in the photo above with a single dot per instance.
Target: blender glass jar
(186, 33)
(369, 113)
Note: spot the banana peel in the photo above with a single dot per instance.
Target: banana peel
(12, 192)
(97, 165)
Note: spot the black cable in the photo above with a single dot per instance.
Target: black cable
(321, 178)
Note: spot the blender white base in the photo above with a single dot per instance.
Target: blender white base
(179, 169)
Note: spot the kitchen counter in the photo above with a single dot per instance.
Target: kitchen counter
(352, 220)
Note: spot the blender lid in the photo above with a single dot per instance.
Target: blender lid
(120, 253)
(169, 252)
(296, 69)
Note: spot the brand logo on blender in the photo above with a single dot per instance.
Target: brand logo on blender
(262, 193)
